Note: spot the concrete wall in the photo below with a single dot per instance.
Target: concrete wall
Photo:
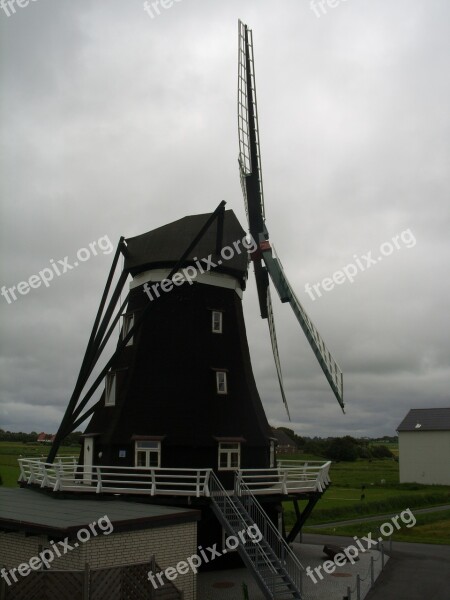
(170, 545)
(424, 457)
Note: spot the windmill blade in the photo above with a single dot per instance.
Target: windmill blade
(249, 147)
(329, 366)
(250, 155)
(276, 356)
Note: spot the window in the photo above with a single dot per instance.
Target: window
(229, 456)
(148, 454)
(110, 389)
(128, 322)
(221, 381)
(217, 321)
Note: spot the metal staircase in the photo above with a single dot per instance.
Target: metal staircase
(276, 569)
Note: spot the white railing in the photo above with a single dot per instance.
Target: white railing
(271, 559)
(272, 536)
(294, 477)
(66, 475)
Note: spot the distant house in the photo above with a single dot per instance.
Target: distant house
(285, 444)
(424, 446)
(45, 438)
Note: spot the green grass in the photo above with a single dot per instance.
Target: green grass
(11, 451)
(430, 528)
(383, 493)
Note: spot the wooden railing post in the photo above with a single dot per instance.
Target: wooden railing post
(206, 484)
(153, 474)
(99, 480)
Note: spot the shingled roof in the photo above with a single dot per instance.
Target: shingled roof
(164, 246)
(426, 419)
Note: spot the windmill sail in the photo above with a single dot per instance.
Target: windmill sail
(273, 339)
(329, 366)
(252, 187)
(250, 154)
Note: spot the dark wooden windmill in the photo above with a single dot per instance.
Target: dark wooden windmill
(180, 407)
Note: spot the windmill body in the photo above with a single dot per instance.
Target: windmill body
(183, 392)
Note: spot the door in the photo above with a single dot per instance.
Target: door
(88, 459)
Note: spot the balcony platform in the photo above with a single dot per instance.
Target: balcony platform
(287, 479)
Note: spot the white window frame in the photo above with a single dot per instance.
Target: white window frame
(110, 389)
(228, 449)
(139, 446)
(217, 321)
(127, 324)
(221, 383)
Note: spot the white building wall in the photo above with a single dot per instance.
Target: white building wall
(424, 457)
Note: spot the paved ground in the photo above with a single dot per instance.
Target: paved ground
(415, 572)
(227, 585)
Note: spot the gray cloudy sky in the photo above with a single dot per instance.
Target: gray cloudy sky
(114, 123)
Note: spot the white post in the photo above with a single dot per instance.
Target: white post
(99, 480)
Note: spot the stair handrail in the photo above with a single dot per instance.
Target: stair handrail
(257, 513)
(270, 534)
(218, 491)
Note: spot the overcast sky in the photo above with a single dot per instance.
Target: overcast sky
(115, 122)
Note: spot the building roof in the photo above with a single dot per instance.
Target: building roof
(31, 511)
(164, 246)
(426, 419)
(282, 438)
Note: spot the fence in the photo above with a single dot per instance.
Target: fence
(355, 593)
(127, 582)
(66, 475)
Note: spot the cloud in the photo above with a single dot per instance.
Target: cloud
(116, 123)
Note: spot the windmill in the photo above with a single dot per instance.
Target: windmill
(179, 411)
(264, 261)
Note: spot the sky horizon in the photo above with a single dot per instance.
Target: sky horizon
(118, 118)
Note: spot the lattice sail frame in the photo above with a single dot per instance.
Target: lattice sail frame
(276, 355)
(329, 366)
(246, 79)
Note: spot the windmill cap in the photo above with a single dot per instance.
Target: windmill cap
(163, 247)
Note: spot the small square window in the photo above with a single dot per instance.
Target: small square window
(110, 389)
(217, 321)
(221, 381)
(128, 322)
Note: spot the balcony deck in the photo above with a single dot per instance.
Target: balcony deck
(66, 475)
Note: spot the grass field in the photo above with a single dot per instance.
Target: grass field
(431, 528)
(11, 451)
(383, 494)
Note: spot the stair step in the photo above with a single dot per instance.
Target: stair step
(268, 569)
